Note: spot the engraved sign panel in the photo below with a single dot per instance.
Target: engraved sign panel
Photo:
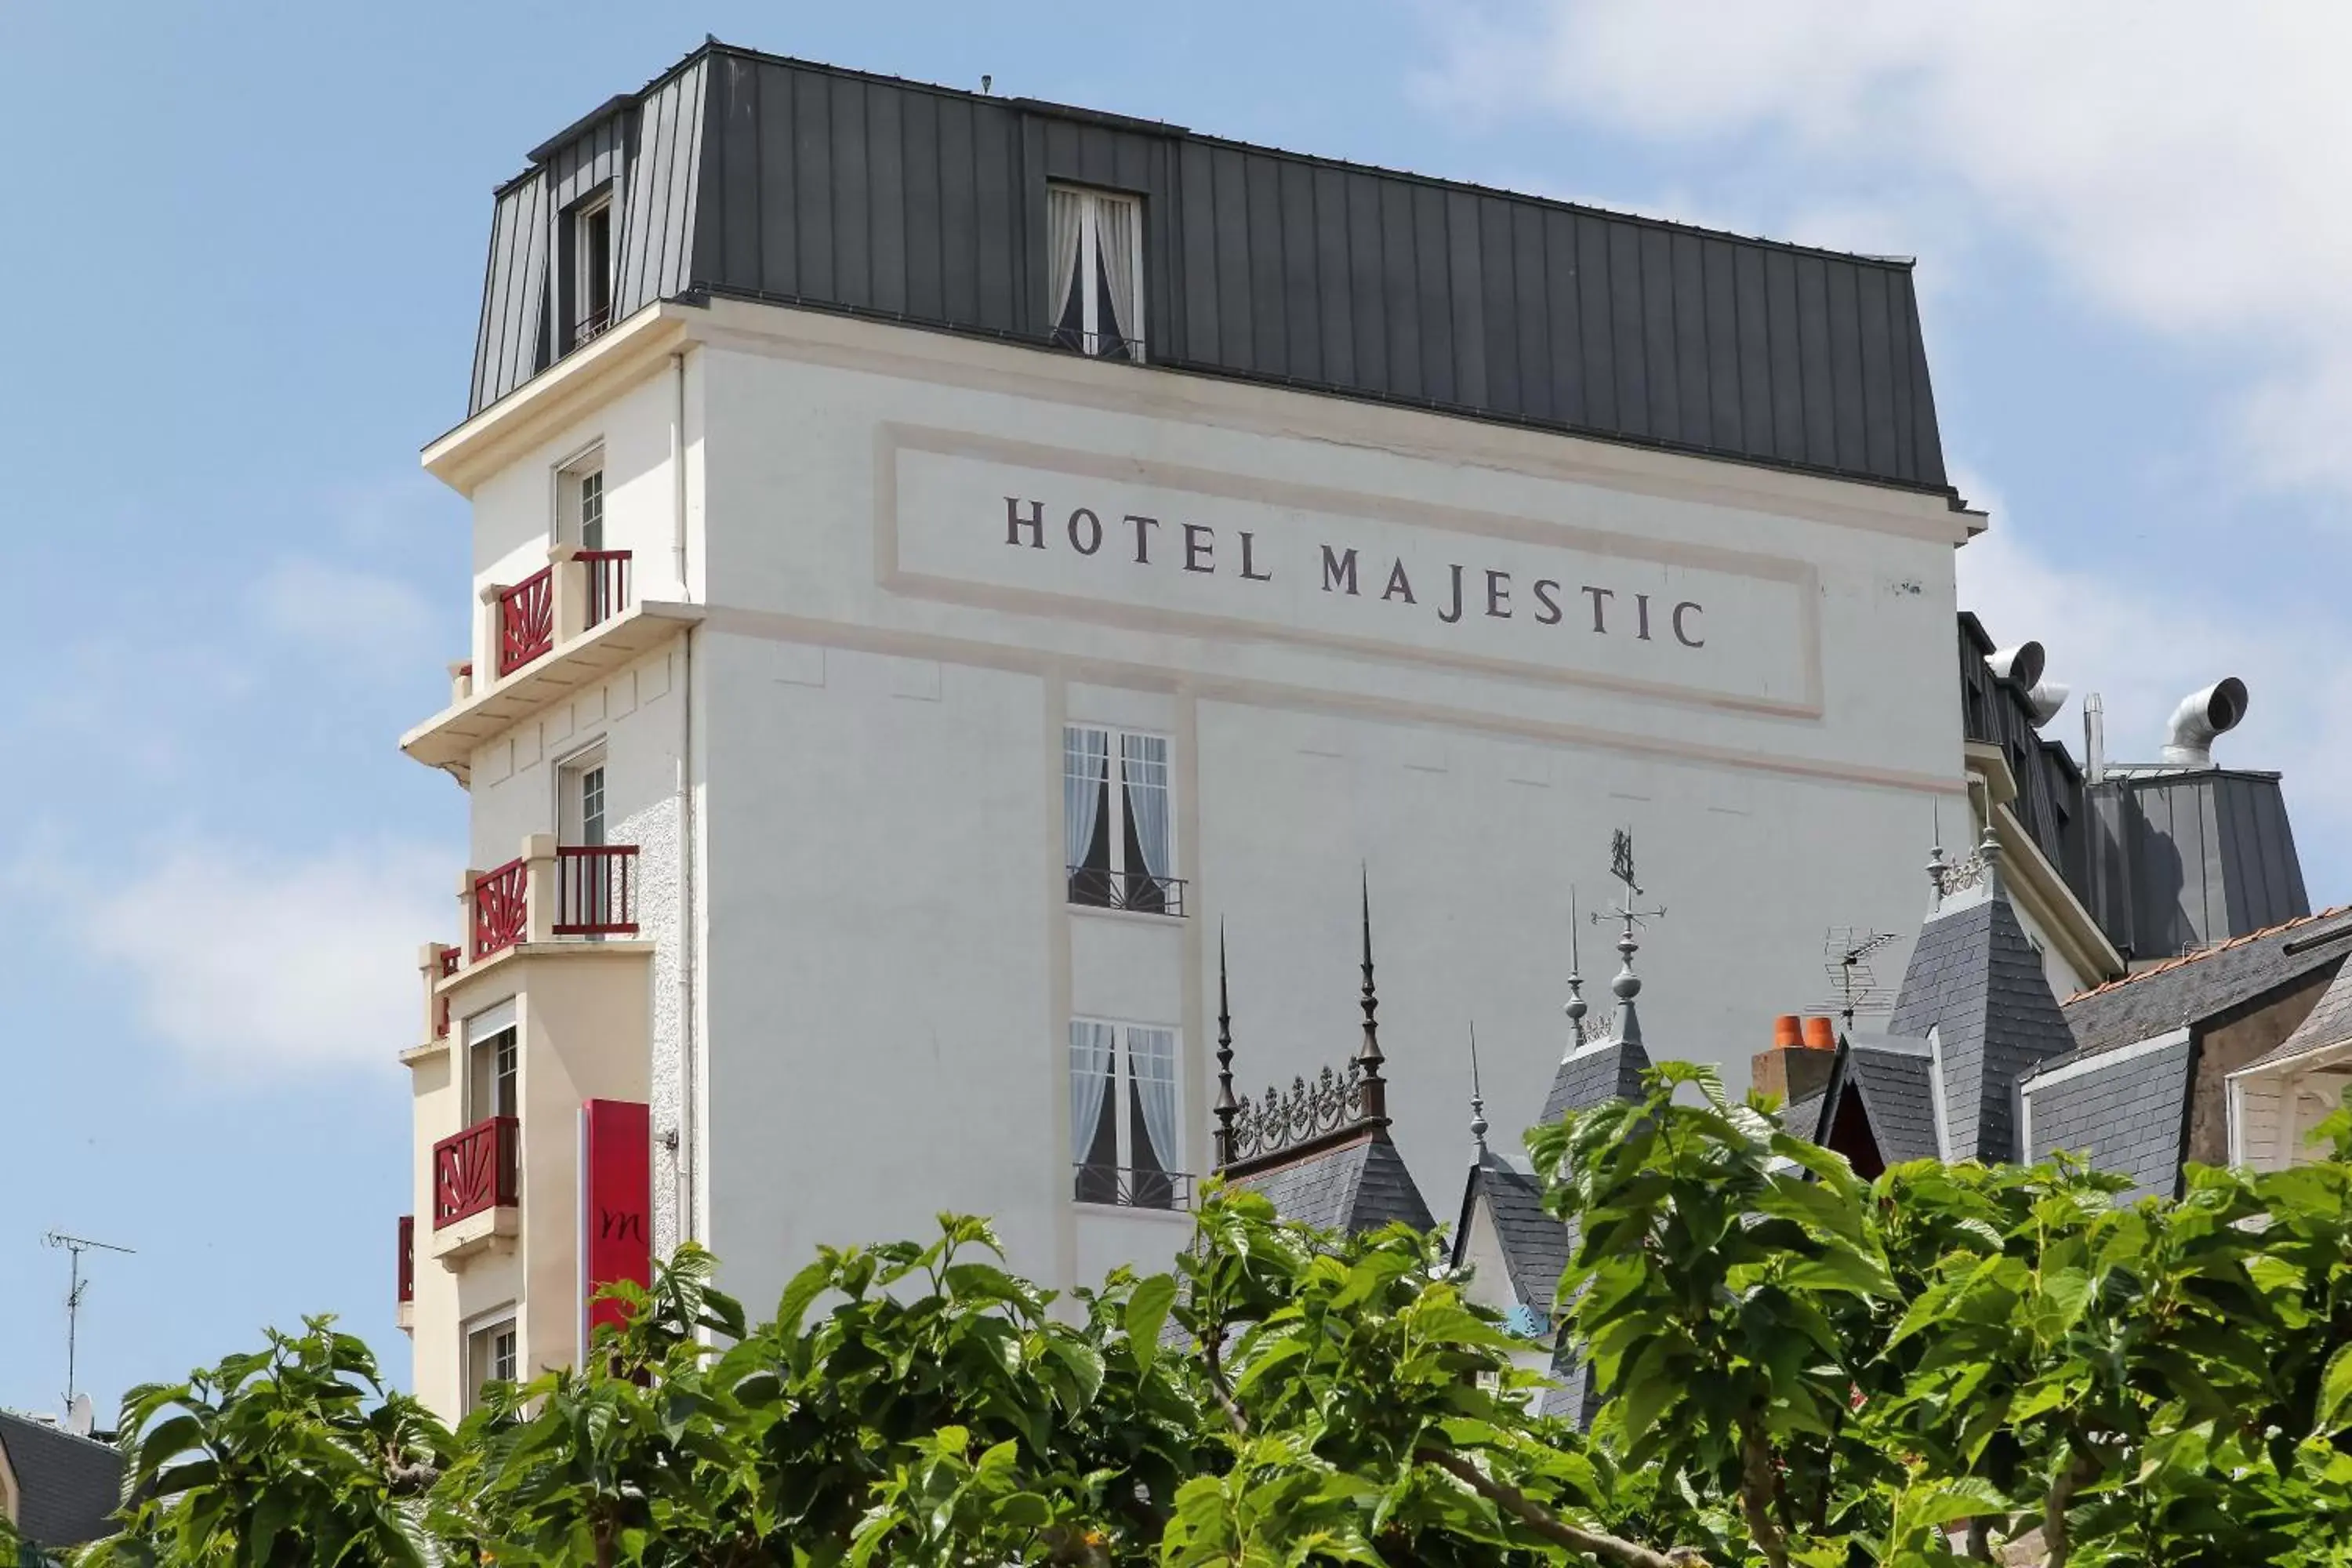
(1157, 547)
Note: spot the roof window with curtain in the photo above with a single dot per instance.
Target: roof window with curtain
(1096, 252)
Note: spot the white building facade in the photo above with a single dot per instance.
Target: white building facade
(871, 726)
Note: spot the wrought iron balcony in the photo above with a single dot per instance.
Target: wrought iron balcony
(1139, 892)
(476, 1171)
(1124, 1186)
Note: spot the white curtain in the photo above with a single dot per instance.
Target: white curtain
(1065, 213)
(1090, 1069)
(1152, 1064)
(1143, 765)
(1085, 762)
(1117, 232)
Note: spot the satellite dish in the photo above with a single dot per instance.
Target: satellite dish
(81, 1419)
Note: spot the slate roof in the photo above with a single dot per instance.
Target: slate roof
(2204, 984)
(2128, 1114)
(1355, 1183)
(1975, 978)
(1535, 1246)
(1897, 1088)
(2328, 1024)
(1595, 1071)
(68, 1486)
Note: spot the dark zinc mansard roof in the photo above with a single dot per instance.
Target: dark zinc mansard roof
(754, 176)
(2193, 989)
(68, 1486)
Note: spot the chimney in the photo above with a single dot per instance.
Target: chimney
(1798, 1065)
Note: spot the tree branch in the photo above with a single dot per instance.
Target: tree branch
(1213, 1359)
(2062, 1486)
(1757, 1486)
(1536, 1517)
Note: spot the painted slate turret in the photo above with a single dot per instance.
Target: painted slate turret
(1519, 1251)
(1977, 985)
(1321, 1153)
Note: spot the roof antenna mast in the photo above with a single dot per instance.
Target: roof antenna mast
(74, 1247)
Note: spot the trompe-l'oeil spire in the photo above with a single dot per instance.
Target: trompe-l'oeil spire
(1227, 1104)
(1369, 1059)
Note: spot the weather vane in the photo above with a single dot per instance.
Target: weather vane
(1621, 866)
(1628, 913)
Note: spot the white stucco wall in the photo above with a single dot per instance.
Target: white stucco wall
(891, 966)
(885, 964)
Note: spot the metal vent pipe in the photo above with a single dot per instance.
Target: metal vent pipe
(2202, 715)
(2021, 663)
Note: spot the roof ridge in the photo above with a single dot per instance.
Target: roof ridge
(2169, 964)
(55, 1428)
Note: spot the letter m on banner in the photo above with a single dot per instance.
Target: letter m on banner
(617, 1218)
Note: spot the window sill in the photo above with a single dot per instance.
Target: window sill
(1142, 917)
(1138, 1211)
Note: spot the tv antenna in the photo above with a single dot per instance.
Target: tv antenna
(74, 1247)
(1848, 949)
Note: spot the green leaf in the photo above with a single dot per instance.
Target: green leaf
(2335, 1393)
(1147, 1314)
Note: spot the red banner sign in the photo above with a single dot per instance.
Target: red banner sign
(617, 1218)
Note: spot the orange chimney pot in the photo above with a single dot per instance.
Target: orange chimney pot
(1820, 1035)
(1788, 1032)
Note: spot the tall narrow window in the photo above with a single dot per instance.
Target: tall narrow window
(1126, 1118)
(490, 1357)
(1118, 823)
(591, 510)
(1095, 245)
(496, 1088)
(592, 262)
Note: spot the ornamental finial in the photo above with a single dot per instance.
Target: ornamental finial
(1369, 1059)
(1227, 1105)
(1478, 1123)
(1629, 915)
(1577, 1008)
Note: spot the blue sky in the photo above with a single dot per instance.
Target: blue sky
(241, 255)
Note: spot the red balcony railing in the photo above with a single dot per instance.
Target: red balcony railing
(595, 886)
(526, 620)
(476, 1169)
(449, 956)
(606, 574)
(407, 1259)
(501, 908)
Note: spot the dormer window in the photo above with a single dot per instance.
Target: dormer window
(591, 267)
(1097, 257)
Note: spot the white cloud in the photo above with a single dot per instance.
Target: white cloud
(2178, 164)
(356, 617)
(248, 961)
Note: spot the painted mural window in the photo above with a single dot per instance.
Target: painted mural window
(1119, 821)
(1095, 241)
(1125, 1113)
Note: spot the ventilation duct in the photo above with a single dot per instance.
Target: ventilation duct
(2021, 663)
(2202, 715)
(2046, 698)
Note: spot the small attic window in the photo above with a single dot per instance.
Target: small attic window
(591, 267)
(1095, 241)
